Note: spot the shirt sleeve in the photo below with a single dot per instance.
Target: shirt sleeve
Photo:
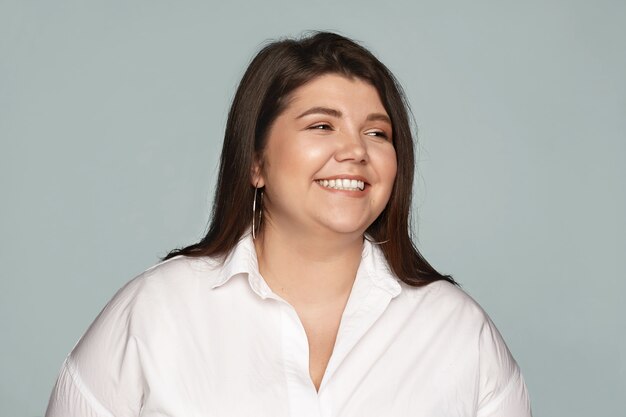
(102, 376)
(502, 390)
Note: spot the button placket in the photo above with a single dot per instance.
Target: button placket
(303, 398)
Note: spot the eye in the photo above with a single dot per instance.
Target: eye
(321, 126)
(379, 134)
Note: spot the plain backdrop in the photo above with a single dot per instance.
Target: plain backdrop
(111, 120)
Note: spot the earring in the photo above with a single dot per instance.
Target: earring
(254, 210)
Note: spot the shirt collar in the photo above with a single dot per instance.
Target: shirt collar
(242, 259)
(375, 265)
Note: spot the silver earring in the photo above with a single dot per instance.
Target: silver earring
(254, 211)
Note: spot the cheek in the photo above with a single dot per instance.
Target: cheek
(388, 172)
(388, 165)
(393, 165)
(302, 156)
(280, 161)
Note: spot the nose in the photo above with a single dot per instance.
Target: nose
(352, 147)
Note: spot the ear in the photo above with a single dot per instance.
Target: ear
(256, 173)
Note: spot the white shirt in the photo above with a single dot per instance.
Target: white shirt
(192, 337)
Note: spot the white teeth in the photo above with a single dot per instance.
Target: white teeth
(343, 184)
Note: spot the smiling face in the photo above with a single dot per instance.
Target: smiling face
(329, 163)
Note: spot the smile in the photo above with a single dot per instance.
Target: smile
(342, 184)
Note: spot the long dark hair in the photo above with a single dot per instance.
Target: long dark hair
(263, 93)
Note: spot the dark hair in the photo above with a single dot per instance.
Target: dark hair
(263, 93)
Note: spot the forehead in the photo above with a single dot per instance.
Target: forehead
(334, 89)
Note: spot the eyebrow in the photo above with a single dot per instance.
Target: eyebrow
(336, 113)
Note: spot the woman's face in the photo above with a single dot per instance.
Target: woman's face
(329, 163)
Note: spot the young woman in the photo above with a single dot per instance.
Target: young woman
(307, 296)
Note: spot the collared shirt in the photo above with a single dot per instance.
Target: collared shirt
(196, 337)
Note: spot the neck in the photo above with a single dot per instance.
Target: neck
(308, 269)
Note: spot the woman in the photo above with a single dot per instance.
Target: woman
(307, 296)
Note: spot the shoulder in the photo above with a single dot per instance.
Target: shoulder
(168, 282)
(176, 273)
(180, 269)
(105, 364)
(162, 290)
(445, 301)
(447, 314)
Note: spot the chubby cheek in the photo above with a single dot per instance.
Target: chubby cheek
(387, 171)
(303, 157)
(290, 171)
(387, 167)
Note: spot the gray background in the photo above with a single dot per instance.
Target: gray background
(112, 115)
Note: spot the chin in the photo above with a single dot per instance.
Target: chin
(344, 223)
(347, 228)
